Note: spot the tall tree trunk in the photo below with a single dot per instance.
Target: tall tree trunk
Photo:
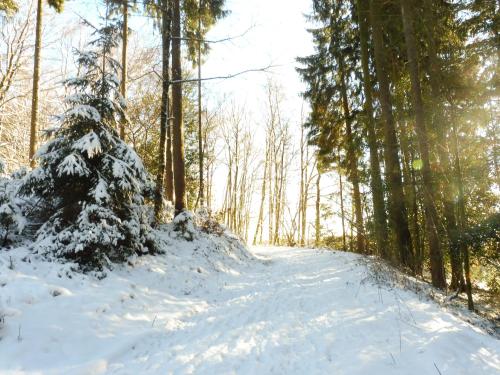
(411, 193)
(123, 83)
(229, 189)
(160, 178)
(271, 196)
(305, 197)
(178, 121)
(462, 220)
(279, 196)
(169, 167)
(302, 203)
(234, 206)
(353, 163)
(397, 208)
(431, 215)
(437, 118)
(380, 217)
(342, 211)
(317, 224)
(262, 199)
(36, 84)
(201, 193)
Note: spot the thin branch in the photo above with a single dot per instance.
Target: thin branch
(265, 69)
(215, 41)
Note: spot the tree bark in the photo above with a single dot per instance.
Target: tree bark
(462, 220)
(317, 224)
(201, 193)
(410, 184)
(431, 215)
(123, 83)
(178, 121)
(262, 200)
(160, 178)
(380, 217)
(352, 162)
(302, 203)
(169, 168)
(437, 121)
(280, 171)
(342, 211)
(272, 159)
(36, 84)
(397, 208)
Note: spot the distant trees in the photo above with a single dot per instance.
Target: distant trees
(239, 159)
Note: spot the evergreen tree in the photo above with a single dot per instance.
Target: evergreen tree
(12, 220)
(93, 182)
(328, 74)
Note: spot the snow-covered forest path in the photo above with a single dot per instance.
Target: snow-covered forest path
(297, 311)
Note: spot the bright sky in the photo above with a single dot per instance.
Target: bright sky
(276, 35)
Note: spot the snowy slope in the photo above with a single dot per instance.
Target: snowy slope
(292, 311)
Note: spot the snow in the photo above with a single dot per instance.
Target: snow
(89, 144)
(101, 194)
(72, 165)
(207, 308)
(83, 111)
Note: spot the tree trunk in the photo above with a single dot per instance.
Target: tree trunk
(380, 217)
(201, 193)
(411, 193)
(262, 200)
(431, 215)
(36, 84)
(352, 163)
(169, 168)
(279, 196)
(234, 206)
(160, 178)
(462, 221)
(302, 203)
(437, 121)
(123, 83)
(342, 211)
(178, 121)
(397, 207)
(317, 224)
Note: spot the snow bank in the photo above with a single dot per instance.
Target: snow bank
(54, 317)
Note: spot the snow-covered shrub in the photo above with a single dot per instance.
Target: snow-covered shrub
(12, 220)
(94, 182)
(184, 225)
(207, 223)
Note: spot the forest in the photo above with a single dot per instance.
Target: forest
(193, 143)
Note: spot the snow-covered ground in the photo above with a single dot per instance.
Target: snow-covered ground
(291, 311)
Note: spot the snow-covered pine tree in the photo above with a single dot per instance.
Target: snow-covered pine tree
(93, 181)
(12, 220)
